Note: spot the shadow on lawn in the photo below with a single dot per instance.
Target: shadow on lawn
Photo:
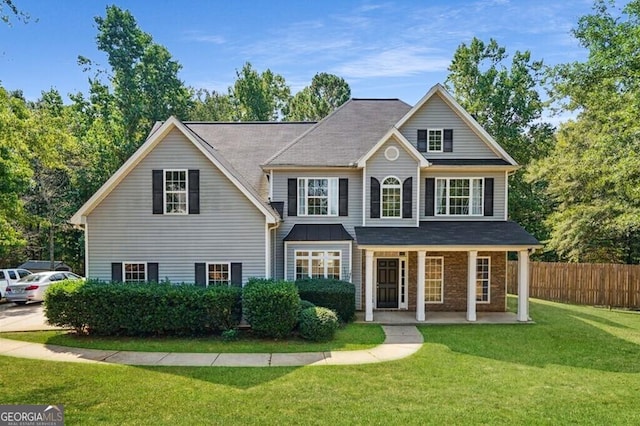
(562, 335)
(235, 377)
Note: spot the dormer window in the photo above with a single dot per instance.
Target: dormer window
(434, 140)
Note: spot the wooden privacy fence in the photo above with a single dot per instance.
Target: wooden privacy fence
(599, 284)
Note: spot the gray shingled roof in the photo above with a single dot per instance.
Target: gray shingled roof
(448, 233)
(247, 145)
(318, 232)
(345, 136)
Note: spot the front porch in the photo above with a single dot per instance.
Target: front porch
(439, 318)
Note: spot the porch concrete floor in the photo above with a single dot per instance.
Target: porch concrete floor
(409, 318)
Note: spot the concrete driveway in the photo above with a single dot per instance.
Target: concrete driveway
(29, 317)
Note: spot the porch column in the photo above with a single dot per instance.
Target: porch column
(471, 285)
(368, 289)
(420, 287)
(523, 285)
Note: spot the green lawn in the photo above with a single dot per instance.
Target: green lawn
(576, 365)
(351, 337)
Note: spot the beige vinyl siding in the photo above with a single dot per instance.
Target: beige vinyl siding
(280, 179)
(436, 114)
(379, 167)
(229, 227)
(498, 193)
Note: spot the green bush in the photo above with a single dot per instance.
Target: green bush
(337, 295)
(304, 304)
(143, 309)
(271, 307)
(318, 324)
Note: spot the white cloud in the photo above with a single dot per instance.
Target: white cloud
(199, 36)
(398, 62)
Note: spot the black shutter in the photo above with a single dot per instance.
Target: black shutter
(407, 198)
(116, 272)
(429, 196)
(152, 272)
(157, 191)
(422, 140)
(375, 198)
(292, 197)
(201, 274)
(236, 274)
(194, 191)
(488, 196)
(448, 140)
(343, 205)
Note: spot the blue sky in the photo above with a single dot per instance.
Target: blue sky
(384, 49)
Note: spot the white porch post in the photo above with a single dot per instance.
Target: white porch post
(523, 285)
(471, 285)
(368, 290)
(420, 287)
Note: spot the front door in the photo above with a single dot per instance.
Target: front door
(387, 283)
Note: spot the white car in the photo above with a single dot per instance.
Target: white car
(10, 276)
(32, 287)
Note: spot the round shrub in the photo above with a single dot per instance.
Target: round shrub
(271, 307)
(318, 324)
(304, 304)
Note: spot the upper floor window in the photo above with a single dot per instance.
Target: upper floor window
(434, 140)
(175, 191)
(459, 196)
(317, 196)
(391, 197)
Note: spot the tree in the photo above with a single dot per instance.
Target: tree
(505, 101)
(593, 172)
(211, 106)
(326, 93)
(9, 9)
(259, 96)
(144, 77)
(15, 174)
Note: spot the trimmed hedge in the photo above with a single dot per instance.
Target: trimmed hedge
(339, 296)
(271, 307)
(318, 324)
(142, 309)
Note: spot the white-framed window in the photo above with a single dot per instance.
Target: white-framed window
(433, 279)
(175, 192)
(318, 264)
(434, 140)
(483, 279)
(459, 196)
(218, 273)
(134, 272)
(318, 196)
(391, 197)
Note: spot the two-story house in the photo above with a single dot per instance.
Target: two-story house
(407, 203)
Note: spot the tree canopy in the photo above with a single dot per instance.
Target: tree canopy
(326, 93)
(593, 174)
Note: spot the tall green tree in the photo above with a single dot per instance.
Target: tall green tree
(593, 173)
(259, 96)
(15, 174)
(143, 75)
(326, 93)
(503, 97)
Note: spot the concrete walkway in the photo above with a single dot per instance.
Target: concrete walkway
(400, 342)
